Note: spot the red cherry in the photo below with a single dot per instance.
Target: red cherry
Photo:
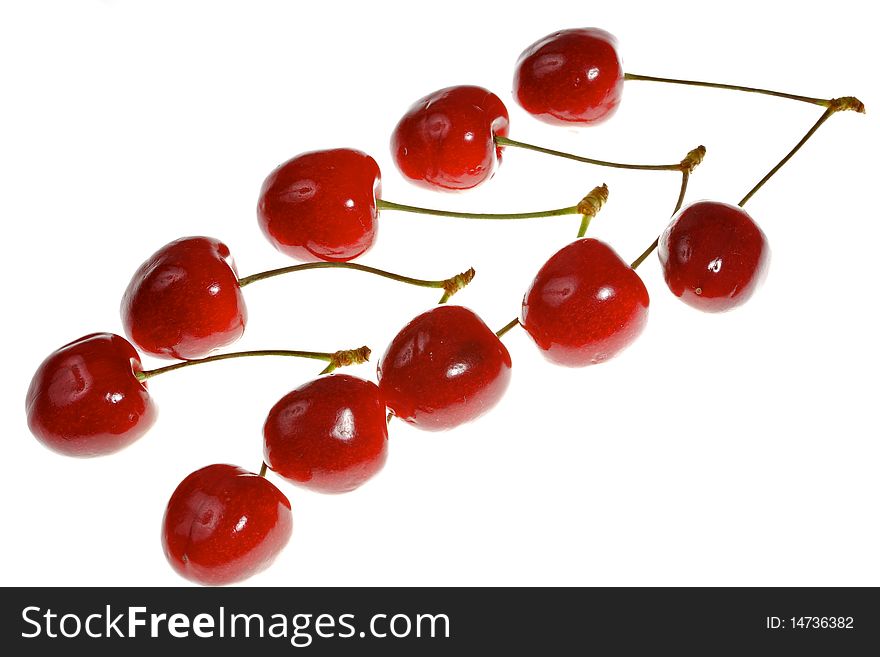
(447, 138)
(585, 305)
(224, 524)
(185, 300)
(86, 400)
(322, 205)
(571, 76)
(329, 435)
(714, 255)
(444, 368)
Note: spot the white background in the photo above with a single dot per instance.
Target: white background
(736, 449)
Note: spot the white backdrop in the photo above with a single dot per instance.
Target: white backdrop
(717, 450)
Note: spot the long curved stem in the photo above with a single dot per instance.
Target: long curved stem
(449, 285)
(389, 205)
(843, 104)
(733, 87)
(825, 116)
(333, 359)
(685, 176)
(504, 141)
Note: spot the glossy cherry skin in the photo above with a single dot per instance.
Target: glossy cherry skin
(185, 301)
(85, 399)
(713, 255)
(444, 368)
(329, 435)
(585, 305)
(321, 205)
(570, 77)
(224, 524)
(446, 140)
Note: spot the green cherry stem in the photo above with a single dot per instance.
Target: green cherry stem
(685, 176)
(504, 141)
(333, 359)
(688, 164)
(827, 114)
(850, 102)
(507, 327)
(389, 205)
(583, 207)
(449, 285)
(263, 468)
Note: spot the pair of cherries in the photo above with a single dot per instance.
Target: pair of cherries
(224, 524)
(221, 525)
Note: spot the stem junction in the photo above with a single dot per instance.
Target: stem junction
(590, 205)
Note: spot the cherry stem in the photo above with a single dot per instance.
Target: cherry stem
(334, 359)
(732, 87)
(504, 141)
(825, 116)
(690, 162)
(839, 104)
(685, 176)
(449, 285)
(388, 205)
(263, 469)
(831, 105)
(502, 331)
(590, 205)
